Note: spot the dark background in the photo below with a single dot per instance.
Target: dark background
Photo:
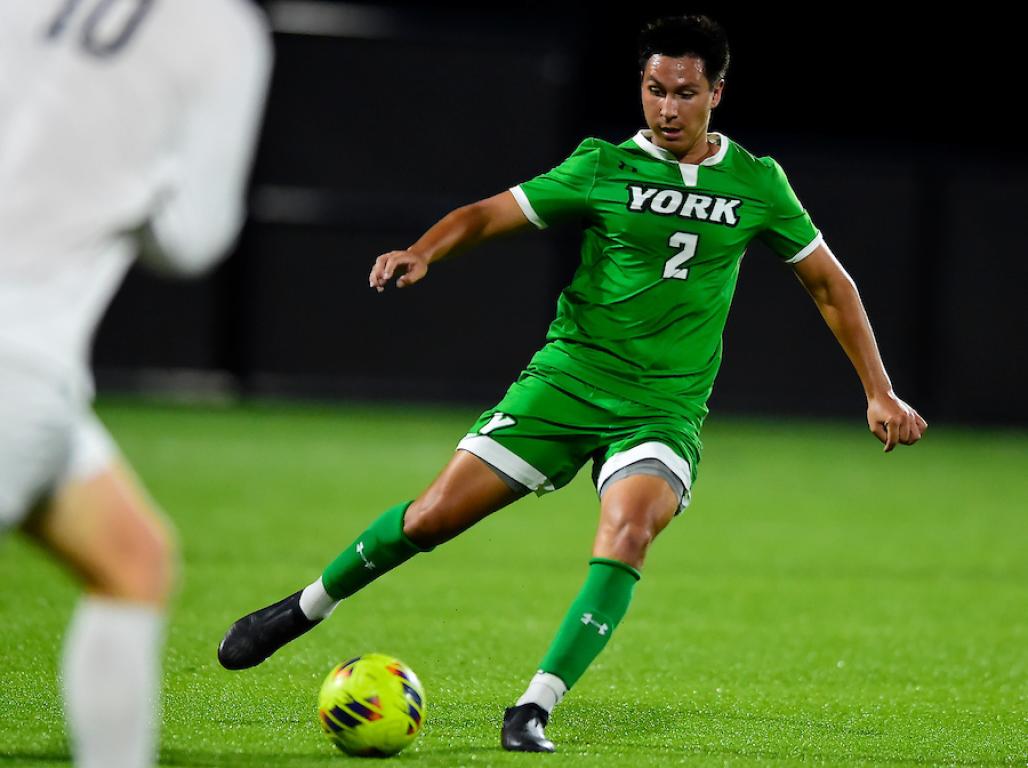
(899, 134)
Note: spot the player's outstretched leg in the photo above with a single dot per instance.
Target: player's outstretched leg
(466, 491)
(634, 510)
(379, 549)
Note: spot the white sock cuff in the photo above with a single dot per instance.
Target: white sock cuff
(119, 616)
(545, 690)
(315, 602)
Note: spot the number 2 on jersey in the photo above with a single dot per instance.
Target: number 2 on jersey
(686, 242)
(104, 32)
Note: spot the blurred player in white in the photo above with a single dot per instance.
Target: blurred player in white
(123, 123)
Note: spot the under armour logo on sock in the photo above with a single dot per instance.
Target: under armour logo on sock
(367, 563)
(587, 618)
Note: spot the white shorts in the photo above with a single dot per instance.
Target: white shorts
(48, 439)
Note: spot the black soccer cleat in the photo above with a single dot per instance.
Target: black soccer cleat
(256, 636)
(523, 729)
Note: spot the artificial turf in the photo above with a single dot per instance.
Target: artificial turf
(820, 603)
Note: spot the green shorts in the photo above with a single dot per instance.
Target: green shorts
(542, 432)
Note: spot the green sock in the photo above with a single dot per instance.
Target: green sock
(591, 620)
(382, 547)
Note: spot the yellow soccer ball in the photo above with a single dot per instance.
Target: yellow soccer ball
(372, 705)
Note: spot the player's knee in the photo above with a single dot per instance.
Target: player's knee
(428, 521)
(631, 539)
(141, 563)
(628, 529)
(421, 523)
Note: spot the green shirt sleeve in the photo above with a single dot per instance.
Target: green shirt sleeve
(788, 230)
(562, 192)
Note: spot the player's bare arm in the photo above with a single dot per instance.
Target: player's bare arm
(890, 419)
(458, 231)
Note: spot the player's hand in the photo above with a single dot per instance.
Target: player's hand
(407, 266)
(893, 422)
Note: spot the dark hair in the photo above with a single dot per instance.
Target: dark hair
(698, 36)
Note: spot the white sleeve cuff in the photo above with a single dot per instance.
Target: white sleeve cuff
(807, 250)
(526, 207)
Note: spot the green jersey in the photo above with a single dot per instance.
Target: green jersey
(661, 246)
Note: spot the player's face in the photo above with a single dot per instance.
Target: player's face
(677, 100)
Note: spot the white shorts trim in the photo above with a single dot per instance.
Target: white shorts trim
(48, 439)
(505, 460)
(653, 450)
(93, 450)
(526, 207)
(807, 250)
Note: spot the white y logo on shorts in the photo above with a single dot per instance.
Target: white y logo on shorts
(360, 551)
(587, 618)
(498, 421)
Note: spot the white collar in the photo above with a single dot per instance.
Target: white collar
(644, 140)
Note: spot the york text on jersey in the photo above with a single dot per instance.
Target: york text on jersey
(674, 202)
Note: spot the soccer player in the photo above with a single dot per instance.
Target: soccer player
(120, 122)
(629, 362)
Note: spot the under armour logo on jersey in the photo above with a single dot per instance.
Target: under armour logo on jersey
(587, 619)
(674, 202)
(360, 551)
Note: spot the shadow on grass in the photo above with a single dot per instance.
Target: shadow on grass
(646, 752)
(34, 758)
(815, 758)
(187, 758)
(192, 758)
(661, 721)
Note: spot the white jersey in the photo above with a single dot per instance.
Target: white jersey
(115, 115)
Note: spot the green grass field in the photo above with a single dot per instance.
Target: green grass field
(819, 604)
